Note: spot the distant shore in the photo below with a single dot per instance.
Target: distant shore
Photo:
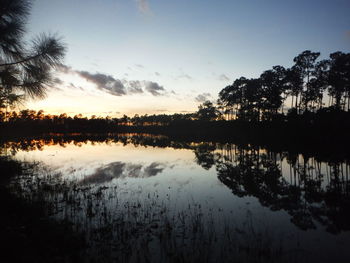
(312, 139)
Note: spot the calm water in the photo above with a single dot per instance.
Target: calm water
(295, 201)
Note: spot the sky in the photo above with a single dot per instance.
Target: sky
(161, 56)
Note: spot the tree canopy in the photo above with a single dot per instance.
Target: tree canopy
(25, 70)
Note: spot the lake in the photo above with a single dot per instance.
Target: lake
(212, 196)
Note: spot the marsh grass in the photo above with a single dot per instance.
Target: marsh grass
(119, 225)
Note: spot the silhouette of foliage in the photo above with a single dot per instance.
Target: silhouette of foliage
(24, 71)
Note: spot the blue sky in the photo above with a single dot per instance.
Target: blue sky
(177, 52)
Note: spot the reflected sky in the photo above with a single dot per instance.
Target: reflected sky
(204, 174)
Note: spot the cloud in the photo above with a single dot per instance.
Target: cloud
(143, 7)
(115, 86)
(135, 86)
(108, 172)
(140, 66)
(203, 97)
(105, 174)
(104, 82)
(154, 88)
(223, 77)
(57, 81)
(64, 68)
(56, 84)
(157, 74)
(184, 76)
(134, 170)
(153, 169)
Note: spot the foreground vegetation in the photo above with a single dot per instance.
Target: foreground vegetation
(27, 233)
(49, 218)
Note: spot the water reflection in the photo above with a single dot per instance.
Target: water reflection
(114, 170)
(311, 187)
(308, 189)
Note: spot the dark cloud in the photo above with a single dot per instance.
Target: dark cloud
(223, 77)
(154, 88)
(203, 97)
(98, 78)
(135, 86)
(140, 66)
(56, 84)
(57, 81)
(114, 170)
(115, 86)
(134, 170)
(157, 74)
(104, 82)
(153, 169)
(105, 174)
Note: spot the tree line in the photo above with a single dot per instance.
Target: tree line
(310, 85)
(309, 88)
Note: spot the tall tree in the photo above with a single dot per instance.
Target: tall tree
(294, 85)
(273, 86)
(24, 70)
(339, 77)
(231, 97)
(305, 64)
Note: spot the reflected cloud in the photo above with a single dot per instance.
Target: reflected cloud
(134, 170)
(105, 174)
(115, 170)
(153, 169)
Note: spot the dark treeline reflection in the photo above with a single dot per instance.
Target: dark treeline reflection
(313, 188)
(309, 189)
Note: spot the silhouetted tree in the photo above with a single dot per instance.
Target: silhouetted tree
(305, 64)
(273, 86)
(24, 70)
(207, 111)
(339, 78)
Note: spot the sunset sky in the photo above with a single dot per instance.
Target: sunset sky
(161, 56)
